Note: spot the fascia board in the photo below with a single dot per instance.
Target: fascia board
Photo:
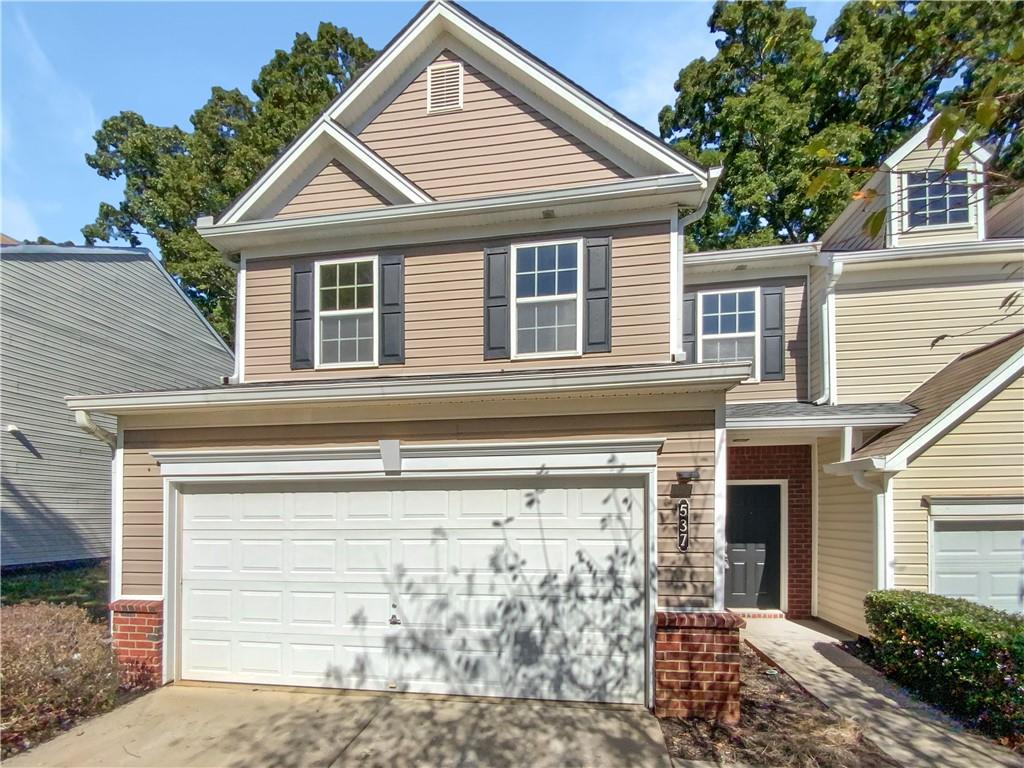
(227, 237)
(724, 375)
(972, 249)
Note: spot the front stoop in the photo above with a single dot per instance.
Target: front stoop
(697, 665)
(138, 638)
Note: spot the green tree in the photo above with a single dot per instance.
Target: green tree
(173, 176)
(777, 107)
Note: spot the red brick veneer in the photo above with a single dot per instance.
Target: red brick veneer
(791, 463)
(697, 665)
(138, 627)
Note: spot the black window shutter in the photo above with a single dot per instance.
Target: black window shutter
(303, 311)
(392, 308)
(597, 316)
(773, 321)
(496, 303)
(690, 327)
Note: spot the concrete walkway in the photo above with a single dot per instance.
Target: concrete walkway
(242, 727)
(909, 731)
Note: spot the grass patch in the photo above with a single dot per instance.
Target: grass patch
(780, 725)
(87, 586)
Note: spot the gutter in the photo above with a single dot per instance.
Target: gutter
(910, 252)
(677, 183)
(661, 376)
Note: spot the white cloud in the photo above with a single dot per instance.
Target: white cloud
(16, 220)
(654, 60)
(64, 102)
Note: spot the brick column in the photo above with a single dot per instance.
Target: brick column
(138, 637)
(793, 464)
(697, 665)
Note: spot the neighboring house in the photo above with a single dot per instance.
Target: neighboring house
(491, 430)
(76, 320)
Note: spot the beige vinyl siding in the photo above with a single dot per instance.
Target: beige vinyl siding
(981, 456)
(845, 545)
(335, 189)
(794, 386)
(496, 143)
(885, 334)
(444, 310)
(816, 370)
(683, 579)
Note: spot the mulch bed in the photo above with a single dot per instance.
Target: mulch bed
(780, 725)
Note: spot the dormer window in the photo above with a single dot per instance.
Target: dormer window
(937, 198)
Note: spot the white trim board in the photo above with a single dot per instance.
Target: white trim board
(719, 376)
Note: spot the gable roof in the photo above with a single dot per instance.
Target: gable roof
(847, 233)
(322, 142)
(948, 397)
(439, 25)
(128, 321)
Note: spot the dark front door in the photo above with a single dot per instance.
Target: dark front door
(753, 544)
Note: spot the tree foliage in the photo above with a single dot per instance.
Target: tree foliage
(777, 107)
(173, 176)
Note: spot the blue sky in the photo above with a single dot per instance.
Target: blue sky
(67, 66)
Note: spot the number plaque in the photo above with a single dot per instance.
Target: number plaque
(683, 517)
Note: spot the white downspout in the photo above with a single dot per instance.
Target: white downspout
(828, 336)
(677, 279)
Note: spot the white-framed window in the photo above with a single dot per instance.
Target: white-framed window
(444, 86)
(729, 327)
(346, 312)
(546, 308)
(937, 198)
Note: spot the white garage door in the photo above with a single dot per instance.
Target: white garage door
(980, 560)
(493, 588)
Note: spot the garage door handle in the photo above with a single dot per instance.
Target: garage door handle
(394, 620)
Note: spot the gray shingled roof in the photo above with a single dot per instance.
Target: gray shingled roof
(768, 414)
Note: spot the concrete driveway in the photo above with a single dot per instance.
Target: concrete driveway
(244, 727)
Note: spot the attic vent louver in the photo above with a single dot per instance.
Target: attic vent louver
(444, 86)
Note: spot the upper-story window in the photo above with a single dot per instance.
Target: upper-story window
(346, 312)
(729, 327)
(545, 299)
(937, 198)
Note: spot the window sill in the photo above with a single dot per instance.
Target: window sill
(344, 366)
(574, 355)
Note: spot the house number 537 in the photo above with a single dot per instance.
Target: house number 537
(683, 516)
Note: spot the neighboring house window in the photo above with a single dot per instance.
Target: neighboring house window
(546, 306)
(728, 328)
(346, 312)
(936, 198)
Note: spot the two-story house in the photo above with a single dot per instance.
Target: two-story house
(491, 430)
(880, 440)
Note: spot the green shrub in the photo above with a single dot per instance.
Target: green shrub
(56, 666)
(961, 656)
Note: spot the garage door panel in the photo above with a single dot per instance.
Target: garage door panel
(979, 560)
(499, 588)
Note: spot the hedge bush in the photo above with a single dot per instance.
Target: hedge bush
(56, 666)
(961, 656)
